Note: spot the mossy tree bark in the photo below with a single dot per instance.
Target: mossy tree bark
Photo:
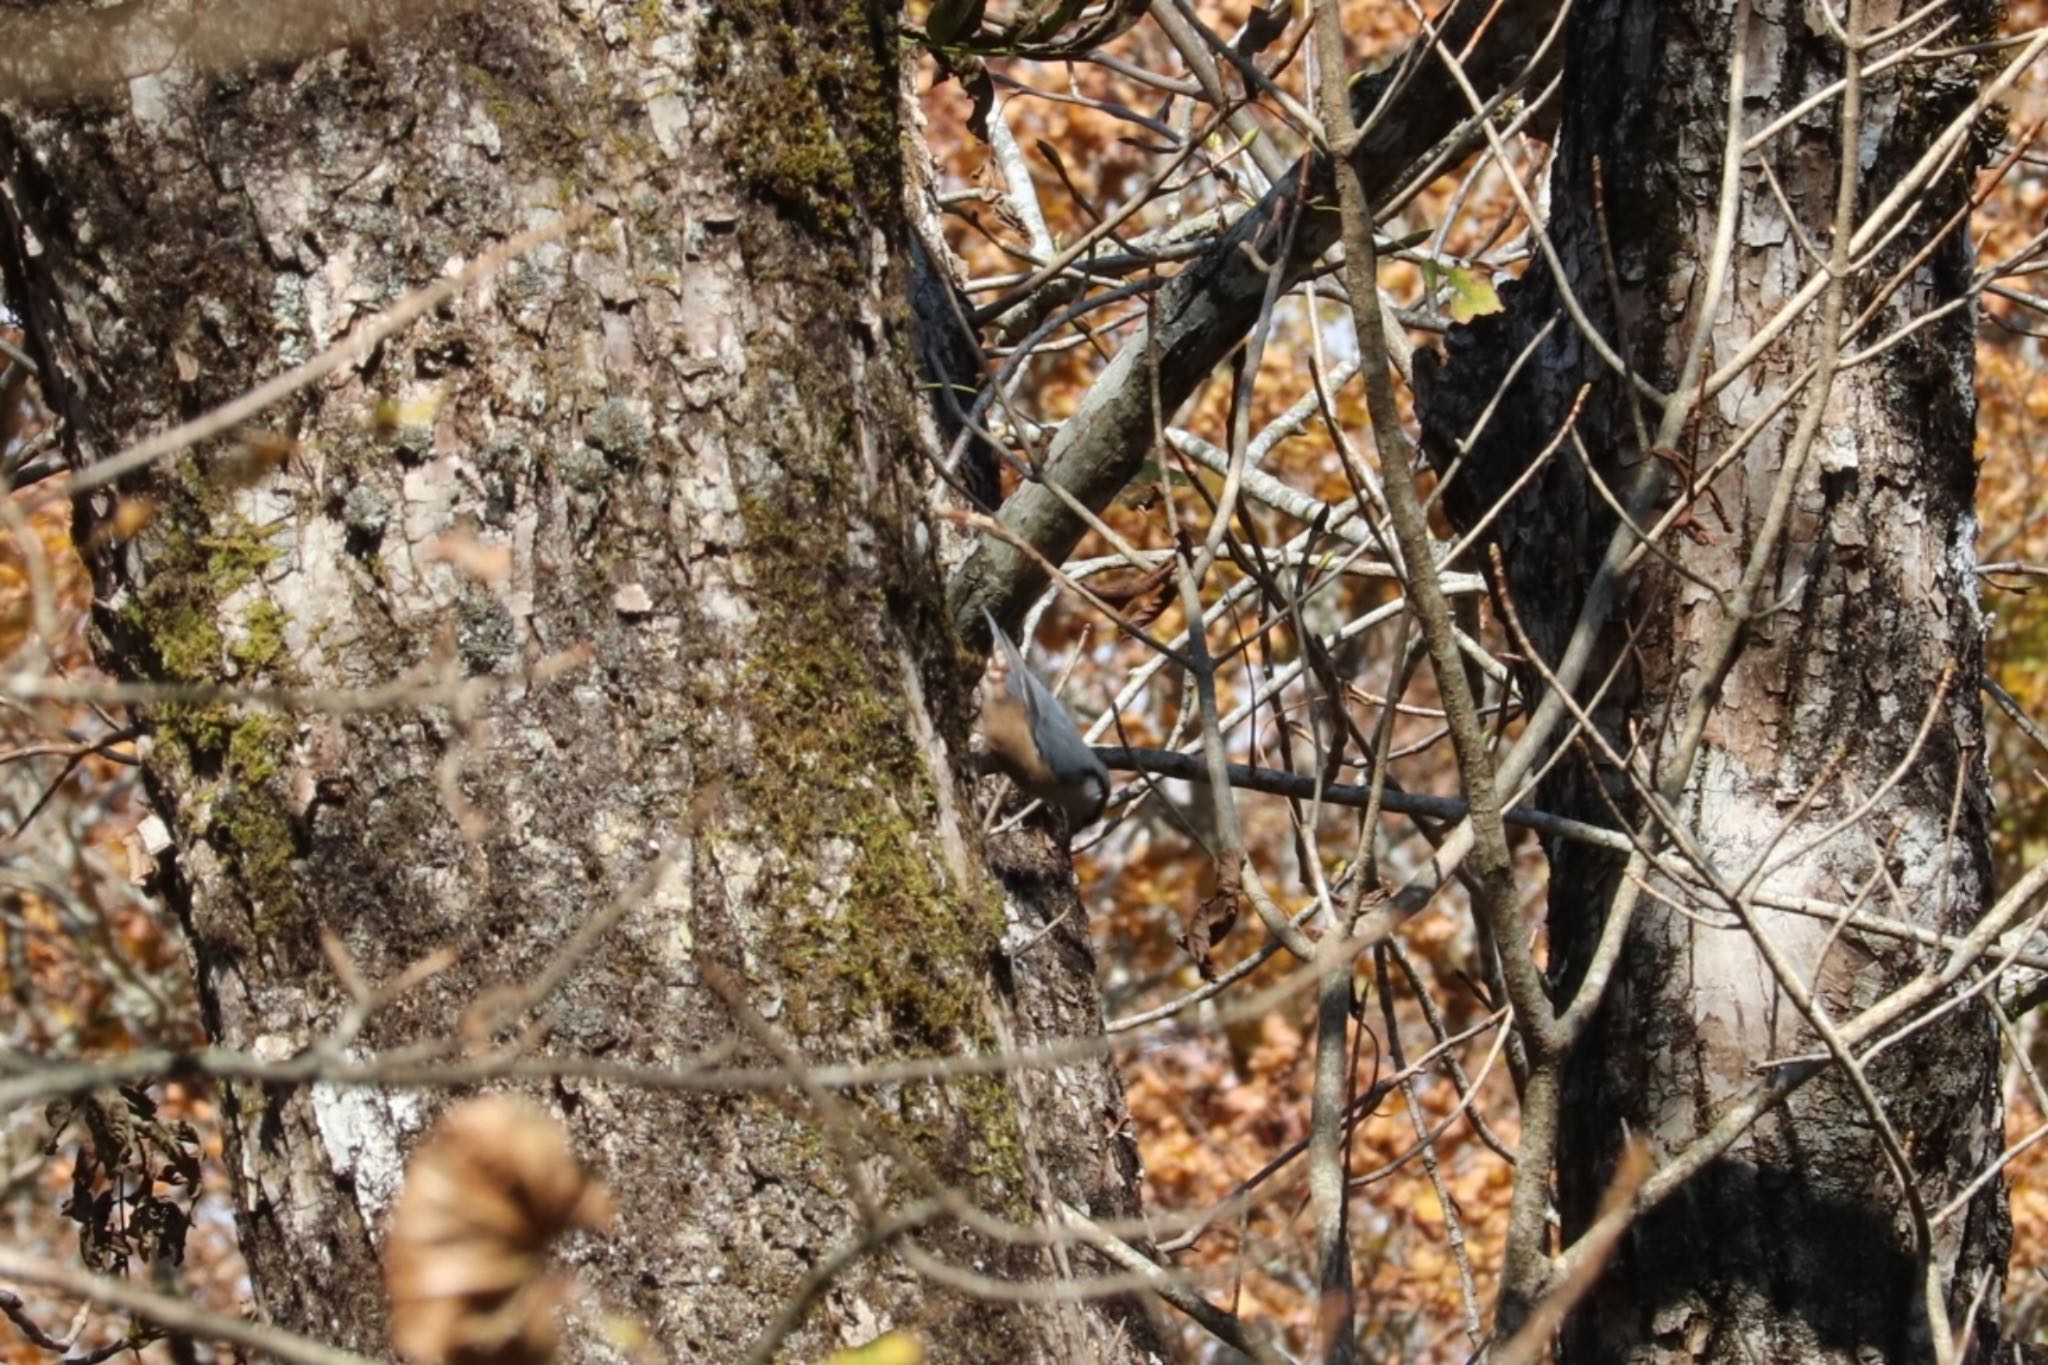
(687, 431)
(1797, 1244)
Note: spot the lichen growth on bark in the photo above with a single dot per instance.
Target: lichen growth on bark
(203, 552)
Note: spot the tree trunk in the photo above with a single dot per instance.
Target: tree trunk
(1797, 1244)
(684, 433)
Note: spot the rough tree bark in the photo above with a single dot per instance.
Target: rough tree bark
(687, 429)
(1797, 1245)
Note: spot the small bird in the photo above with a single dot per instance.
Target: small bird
(1033, 740)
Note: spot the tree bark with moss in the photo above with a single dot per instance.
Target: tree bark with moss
(641, 518)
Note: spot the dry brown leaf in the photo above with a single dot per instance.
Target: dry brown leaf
(466, 1262)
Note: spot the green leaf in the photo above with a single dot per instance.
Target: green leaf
(1472, 295)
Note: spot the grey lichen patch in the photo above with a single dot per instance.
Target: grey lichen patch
(485, 634)
(366, 513)
(619, 431)
(503, 468)
(410, 440)
(583, 469)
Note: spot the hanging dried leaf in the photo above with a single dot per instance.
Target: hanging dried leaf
(1205, 926)
(466, 1262)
